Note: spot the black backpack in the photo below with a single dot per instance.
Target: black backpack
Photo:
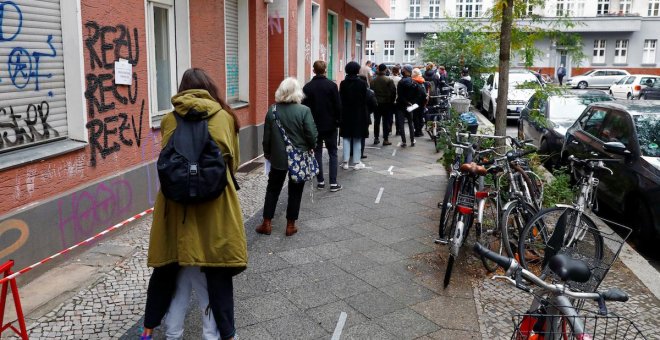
(191, 168)
(420, 93)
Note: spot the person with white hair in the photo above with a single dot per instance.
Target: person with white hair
(298, 123)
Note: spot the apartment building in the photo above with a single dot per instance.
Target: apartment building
(85, 83)
(615, 33)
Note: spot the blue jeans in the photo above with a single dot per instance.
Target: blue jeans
(356, 144)
(330, 140)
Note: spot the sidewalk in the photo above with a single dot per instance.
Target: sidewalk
(373, 259)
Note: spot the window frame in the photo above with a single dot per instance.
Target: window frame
(621, 51)
(348, 41)
(243, 56)
(647, 57)
(602, 48)
(469, 8)
(603, 7)
(434, 9)
(414, 9)
(156, 115)
(625, 6)
(408, 46)
(654, 11)
(369, 49)
(388, 57)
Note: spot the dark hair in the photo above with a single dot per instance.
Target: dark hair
(382, 67)
(196, 78)
(319, 67)
(352, 68)
(396, 70)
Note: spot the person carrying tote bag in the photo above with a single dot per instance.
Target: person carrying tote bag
(297, 124)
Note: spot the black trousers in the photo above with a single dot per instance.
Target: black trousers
(418, 118)
(384, 112)
(276, 179)
(329, 138)
(561, 80)
(162, 286)
(401, 115)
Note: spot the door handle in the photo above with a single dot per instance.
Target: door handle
(574, 142)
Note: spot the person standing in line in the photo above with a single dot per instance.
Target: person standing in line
(322, 97)
(561, 73)
(406, 97)
(298, 123)
(367, 72)
(396, 76)
(385, 92)
(422, 90)
(354, 121)
(208, 236)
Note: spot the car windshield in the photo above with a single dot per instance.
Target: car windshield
(648, 134)
(520, 80)
(572, 107)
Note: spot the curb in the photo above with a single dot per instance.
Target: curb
(637, 264)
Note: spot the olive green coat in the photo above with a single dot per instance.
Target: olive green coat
(213, 234)
(298, 123)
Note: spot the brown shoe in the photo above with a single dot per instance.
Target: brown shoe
(291, 227)
(265, 227)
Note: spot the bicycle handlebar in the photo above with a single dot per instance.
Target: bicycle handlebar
(594, 163)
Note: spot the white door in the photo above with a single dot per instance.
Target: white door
(616, 88)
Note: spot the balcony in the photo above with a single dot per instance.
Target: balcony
(372, 8)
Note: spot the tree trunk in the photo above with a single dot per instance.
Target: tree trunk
(505, 58)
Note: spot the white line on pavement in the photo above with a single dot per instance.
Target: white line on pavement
(380, 193)
(372, 147)
(340, 325)
(390, 169)
(393, 152)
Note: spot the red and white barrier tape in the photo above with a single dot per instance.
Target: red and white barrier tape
(116, 226)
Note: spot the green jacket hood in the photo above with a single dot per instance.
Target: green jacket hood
(197, 100)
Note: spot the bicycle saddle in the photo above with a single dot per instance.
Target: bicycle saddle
(473, 168)
(569, 269)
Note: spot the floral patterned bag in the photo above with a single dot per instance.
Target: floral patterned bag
(302, 164)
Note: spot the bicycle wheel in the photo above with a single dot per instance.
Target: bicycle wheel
(448, 206)
(489, 233)
(512, 223)
(536, 237)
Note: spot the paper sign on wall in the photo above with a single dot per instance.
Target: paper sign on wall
(123, 72)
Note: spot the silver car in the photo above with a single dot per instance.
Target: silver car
(597, 78)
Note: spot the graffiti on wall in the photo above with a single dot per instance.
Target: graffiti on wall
(28, 180)
(275, 23)
(108, 129)
(17, 232)
(22, 72)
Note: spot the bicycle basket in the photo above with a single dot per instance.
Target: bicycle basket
(463, 200)
(599, 247)
(536, 326)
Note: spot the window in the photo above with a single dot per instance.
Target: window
(603, 7)
(434, 8)
(578, 11)
(236, 50)
(621, 51)
(163, 59)
(388, 51)
(615, 128)
(392, 8)
(415, 8)
(358, 43)
(654, 8)
(625, 6)
(369, 49)
(599, 52)
(630, 80)
(622, 81)
(468, 8)
(648, 55)
(348, 34)
(409, 51)
(592, 122)
(563, 8)
(529, 8)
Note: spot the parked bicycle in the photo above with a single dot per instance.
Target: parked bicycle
(552, 314)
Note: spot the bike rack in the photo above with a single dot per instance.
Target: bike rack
(11, 283)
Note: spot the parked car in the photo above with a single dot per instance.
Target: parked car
(634, 189)
(517, 97)
(650, 92)
(559, 112)
(630, 87)
(596, 78)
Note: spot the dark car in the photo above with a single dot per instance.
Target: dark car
(634, 189)
(560, 112)
(650, 92)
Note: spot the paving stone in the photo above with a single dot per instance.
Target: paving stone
(354, 263)
(322, 270)
(340, 234)
(382, 255)
(449, 312)
(299, 256)
(358, 244)
(264, 262)
(406, 323)
(380, 276)
(374, 303)
(254, 332)
(368, 331)
(328, 315)
(309, 296)
(295, 326)
(269, 307)
(452, 334)
(345, 285)
(286, 278)
(409, 293)
(412, 247)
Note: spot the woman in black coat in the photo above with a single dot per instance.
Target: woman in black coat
(354, 120)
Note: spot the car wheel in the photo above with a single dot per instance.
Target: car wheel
(642, 97)
(629, 96)
(582, 85)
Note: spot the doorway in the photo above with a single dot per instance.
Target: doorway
(563, 59)
(331, 45)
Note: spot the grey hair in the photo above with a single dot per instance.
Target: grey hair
(289, 91)
(416, 72)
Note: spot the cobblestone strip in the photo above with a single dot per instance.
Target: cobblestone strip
(115, 302)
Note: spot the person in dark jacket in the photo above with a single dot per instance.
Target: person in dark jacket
(406, 96)
(298, 123)
(385, 92)
(322, 97)
(354, 121)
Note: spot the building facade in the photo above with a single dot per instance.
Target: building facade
(615, 33)
(85, 83)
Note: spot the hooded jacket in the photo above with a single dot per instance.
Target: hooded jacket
(355, 117)
(212, 233)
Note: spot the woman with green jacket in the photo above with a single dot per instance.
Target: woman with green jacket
(299, 126)
(212, 235)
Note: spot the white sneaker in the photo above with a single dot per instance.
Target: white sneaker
(359, 166)
(344, 165)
